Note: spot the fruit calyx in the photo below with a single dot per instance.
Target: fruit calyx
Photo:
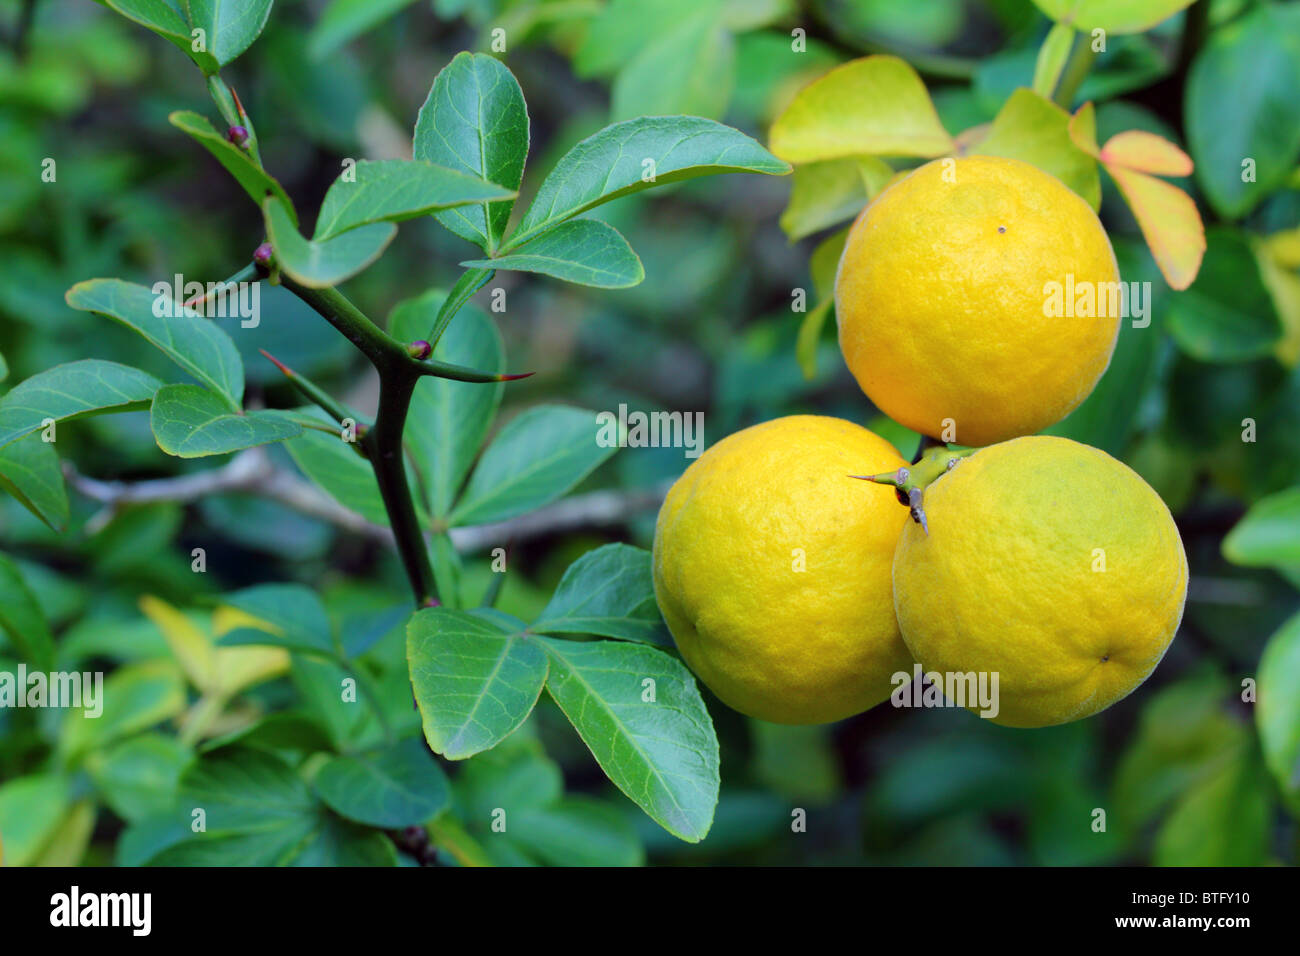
(910, 481)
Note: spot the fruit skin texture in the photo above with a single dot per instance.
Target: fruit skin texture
(1005, 580)
(941, 315)
(793, 647)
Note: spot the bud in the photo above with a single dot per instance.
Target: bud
(238, 135)
(419, 349)
(262, 257)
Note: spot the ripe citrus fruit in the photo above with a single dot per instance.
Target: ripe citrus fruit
(772, 569)
(1049, 563)
(942, 292)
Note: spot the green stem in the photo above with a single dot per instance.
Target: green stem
(384, 352)
(398, 374)
(470, 282)
(1075, 71)
(383, 444)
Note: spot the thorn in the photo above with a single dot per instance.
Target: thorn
(514, 378)
(917, 512)
(238, 105)
(895, 478)
(277, 363)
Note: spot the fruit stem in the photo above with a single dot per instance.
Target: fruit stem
(910, 482)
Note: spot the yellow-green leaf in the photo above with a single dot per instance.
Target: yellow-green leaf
(1113, 16)
(827, 193)
(1283, 283)
(1037, 131)
(874, 106)
(1051, 58)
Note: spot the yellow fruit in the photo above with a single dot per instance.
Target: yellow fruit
(772, 569)
(1050, 564)
(942, 292)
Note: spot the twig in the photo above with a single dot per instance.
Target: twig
(252, 472)
(592, 510)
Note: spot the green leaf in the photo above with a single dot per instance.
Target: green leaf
(475, 120)
(448, 420)
(30, 471)
(826, 193)
(134, 698)
(447, 569)
(874, 106)
(511, 776)
(293, 610)
(619, 31)
(168, 19)
(23, 620)
(1052, 56)
(1223, 821)
(1113, 16)
(475, 682)
(610, 592)
(1277, 712)
(1243, 103)
(256, 181)
(1269, 534)
(577, 831)
(395, 190)
(323, 263)
(470, 281)
(535, 459)
(72, 390)
(194, 343)
(1108, 417)
(823, 265)
(398, 786)
(1184, 737)
(138, 777)
(282, 730)
(661, 752)
(584, 251)
(190, 422)
(1037, 131)
(690, 68)
(230, 28)
(258, 812)
(31, 809)
(336, 466)
(635, 155)
(345, 20)
(1226, 315)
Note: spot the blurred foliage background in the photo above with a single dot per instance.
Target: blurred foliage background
(1185, 768)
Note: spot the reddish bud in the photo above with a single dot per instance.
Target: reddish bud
(238, 135)
(262, 257)
(419, 349)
